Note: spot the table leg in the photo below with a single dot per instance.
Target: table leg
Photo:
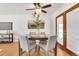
(9, 37)
(12, 37)
(38, 50)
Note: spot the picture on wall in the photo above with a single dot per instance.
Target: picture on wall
(33, 24)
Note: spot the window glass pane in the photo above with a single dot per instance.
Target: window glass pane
(60, 29)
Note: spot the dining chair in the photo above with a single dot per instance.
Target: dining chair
(24, 45)
(43, 41)
(50, 45)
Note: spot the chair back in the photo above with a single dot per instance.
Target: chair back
(51, 42)
(32, 33)
(23, 42)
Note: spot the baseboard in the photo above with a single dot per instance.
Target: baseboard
(67, 50)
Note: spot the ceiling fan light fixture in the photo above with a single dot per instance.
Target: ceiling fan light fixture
(38, 11)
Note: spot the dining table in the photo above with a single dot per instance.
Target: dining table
(38, 38)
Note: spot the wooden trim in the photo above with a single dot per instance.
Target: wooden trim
(64, 31)
(69, 10)
(64, 28)
(72, 8)
(56, 26)
(19, 48)
(67, 50)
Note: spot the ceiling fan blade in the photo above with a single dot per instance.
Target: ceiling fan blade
(30, 9)
(43, 11)
(47, 6)
(35, 4)
(39, 4)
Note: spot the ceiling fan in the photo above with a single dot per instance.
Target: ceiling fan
(40, 8)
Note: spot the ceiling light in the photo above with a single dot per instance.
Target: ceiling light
(38, 11)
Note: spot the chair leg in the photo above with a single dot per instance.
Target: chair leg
(20, 51)
(55, 49)
(55, 52)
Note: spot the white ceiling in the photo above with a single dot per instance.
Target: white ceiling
(19, 8)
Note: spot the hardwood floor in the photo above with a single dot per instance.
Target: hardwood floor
(11, 49)
(60, 52)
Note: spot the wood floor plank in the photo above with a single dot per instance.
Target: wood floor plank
(11, 49)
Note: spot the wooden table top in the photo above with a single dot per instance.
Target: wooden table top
(38, 37)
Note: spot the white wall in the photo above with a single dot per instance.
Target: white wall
(20, 23)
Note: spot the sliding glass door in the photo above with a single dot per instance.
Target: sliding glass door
(73, 31)
(60, 30)
(67, 29)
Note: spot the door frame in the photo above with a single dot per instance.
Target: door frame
(64, 29)
(64, 46)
